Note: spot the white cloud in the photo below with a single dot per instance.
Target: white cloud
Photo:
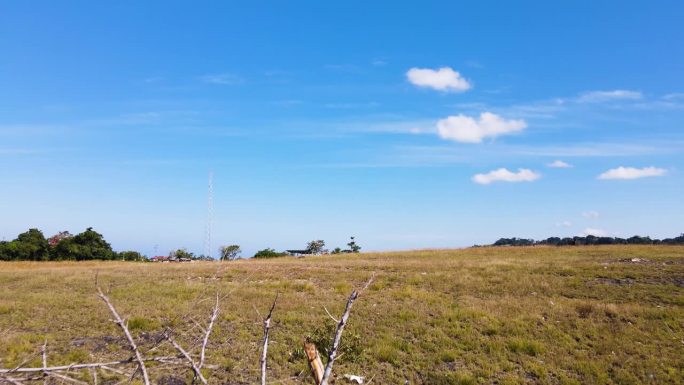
(443, 79)
(590, 214)
(594, 232)
(503, 175)
(559, 164)
(607, 96)
(462, 128)
(564, 224)
(674, 96)
(632, 173)
(222, 79)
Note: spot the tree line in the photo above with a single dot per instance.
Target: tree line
(88, 245)
(32, 245)
(315, 247)
(589, 240)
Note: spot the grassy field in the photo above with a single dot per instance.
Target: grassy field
(573, 315)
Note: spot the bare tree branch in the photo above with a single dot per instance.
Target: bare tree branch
(214, 314)
(104, 365)
(338, 334)
(65, 378)
(10, 380)
(43, 352)
(330, 315)
(93, 372)
(185, 354)
(134, 347)
(264, 351)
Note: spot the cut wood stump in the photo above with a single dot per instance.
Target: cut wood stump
(315, 363)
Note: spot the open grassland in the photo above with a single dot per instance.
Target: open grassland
(572, 315)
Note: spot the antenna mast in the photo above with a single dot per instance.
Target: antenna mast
(210, 214)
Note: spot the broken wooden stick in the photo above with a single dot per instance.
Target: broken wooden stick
(264, 350)
(123, 326)
(315, 363)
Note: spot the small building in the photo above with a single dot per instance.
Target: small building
(299, 253)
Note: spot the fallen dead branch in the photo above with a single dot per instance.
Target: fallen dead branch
(185, 354)
(103, 365)
(214, 314)
(134, 347)
(21, 375)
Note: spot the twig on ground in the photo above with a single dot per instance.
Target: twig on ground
(212, 319)
(10, 380)
(43, 352)
(185, 354)
(65, 378)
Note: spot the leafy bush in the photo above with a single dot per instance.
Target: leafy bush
(269, 253)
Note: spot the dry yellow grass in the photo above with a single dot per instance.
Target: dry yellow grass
(575, 315)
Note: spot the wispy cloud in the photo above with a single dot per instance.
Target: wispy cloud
(504, 175)
(559, 164)
(462, 128)
(674, 96)
(632, 173)
(594, 232)
(608, 96)
(379, 63)
(222, 79)
(590, 214)
(592, 150)
(442, 79)
(564, 224)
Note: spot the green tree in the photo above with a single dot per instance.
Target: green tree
(229, 253)
(315, 247)
(4, 251)
(130, 256)
(28, 246)
(353, 246)
(269, 253)
(181, 253)
(87, 245)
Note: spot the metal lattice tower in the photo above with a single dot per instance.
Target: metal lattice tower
(210, 215)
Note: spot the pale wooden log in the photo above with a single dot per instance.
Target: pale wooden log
(315, 363)
(134, 347)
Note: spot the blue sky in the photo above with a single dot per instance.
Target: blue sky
(407, 125)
